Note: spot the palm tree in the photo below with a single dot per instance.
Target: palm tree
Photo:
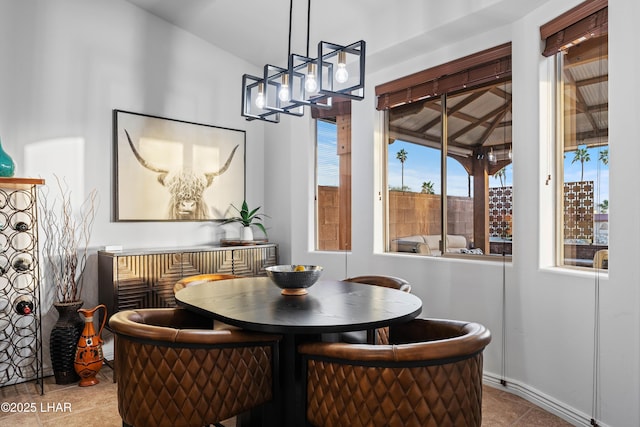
(604, 206)
(427, 188)
(604, 156)
(581, 155)
(402, 156)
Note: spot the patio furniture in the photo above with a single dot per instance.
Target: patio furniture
(175, 370)
(430, 376)
(601, 259)
(429, 244)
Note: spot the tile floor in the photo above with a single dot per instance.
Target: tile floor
(72, 406)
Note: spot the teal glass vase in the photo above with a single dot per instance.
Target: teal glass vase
(7, 166)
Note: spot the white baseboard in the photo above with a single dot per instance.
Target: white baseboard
(548, 403)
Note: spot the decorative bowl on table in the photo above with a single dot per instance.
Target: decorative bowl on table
(294, 279)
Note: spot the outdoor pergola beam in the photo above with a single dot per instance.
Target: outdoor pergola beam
(407, 110)
(494, 124)
(581, 104)
(426, 140)
(468, 100)
(592, 80)
(481, 121)
(588, 51)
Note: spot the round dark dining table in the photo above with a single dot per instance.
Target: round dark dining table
(255, 303)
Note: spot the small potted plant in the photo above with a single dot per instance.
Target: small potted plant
(248, 218)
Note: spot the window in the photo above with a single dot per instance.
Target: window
(578, 42)
(333, 178)
(449, 157)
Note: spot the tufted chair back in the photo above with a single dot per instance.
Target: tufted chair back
(381, 334)
(430, 376)
(174, 370)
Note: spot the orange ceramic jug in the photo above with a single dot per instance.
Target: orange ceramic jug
(89, 356)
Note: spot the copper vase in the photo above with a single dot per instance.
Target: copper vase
(89, 356)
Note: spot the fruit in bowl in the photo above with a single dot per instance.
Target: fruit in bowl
(294, 279)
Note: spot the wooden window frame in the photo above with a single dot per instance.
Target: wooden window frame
(473, 70)
(588, 19)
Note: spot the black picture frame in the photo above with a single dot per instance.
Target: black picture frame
(175, 170)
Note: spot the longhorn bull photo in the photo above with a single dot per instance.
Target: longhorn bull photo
(185, 187)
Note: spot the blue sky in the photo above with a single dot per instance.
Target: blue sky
(423, 164)
(594, 170)
(328, 170)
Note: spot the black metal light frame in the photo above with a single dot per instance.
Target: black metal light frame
(274, 77)
(329, 54)
(332, 58)
(249, 108)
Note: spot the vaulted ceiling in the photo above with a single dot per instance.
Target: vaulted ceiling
(257, 30)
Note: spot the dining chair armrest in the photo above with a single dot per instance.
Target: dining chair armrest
(145, 324)
(417, 340)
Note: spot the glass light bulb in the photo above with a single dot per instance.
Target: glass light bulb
(283, 94)
(342, 75)
(260, 100)
(311, 84)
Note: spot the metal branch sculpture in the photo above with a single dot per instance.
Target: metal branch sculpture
(66, 241)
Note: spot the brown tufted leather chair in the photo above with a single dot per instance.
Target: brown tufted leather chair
(431, 376)
(381, 334)
(175, 370)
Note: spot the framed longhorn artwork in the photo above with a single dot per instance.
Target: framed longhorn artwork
(173, 170)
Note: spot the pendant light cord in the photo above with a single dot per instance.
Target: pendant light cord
(308, 24)
(290, 19)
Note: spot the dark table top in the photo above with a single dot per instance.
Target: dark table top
(255, 303)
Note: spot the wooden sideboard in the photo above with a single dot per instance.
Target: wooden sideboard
(132, 279)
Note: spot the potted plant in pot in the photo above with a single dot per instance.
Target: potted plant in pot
(65, 248)
(247, 218)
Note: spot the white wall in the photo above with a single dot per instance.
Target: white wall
(67, 64)
(550, 312)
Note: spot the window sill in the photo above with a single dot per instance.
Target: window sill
(474, 257)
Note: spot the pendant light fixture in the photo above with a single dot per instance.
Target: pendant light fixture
(337, 71)
(492, 156)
